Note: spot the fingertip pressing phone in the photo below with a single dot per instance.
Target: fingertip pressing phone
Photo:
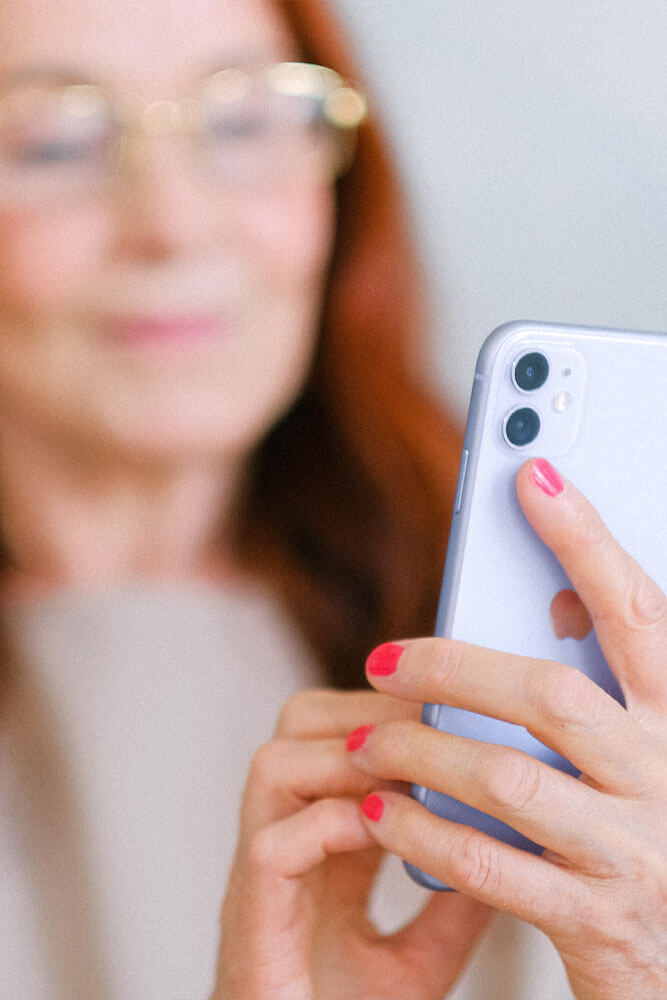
(593, 401)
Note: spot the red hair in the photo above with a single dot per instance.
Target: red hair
(348, 499)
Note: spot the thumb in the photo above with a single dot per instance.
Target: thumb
(628, 609)
(441, 939)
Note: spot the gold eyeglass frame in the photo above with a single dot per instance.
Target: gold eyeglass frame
(344, 107)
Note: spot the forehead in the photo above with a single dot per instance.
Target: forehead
(147, 44)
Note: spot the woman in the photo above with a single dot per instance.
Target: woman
(210, 429)
(205, 382)
(295, 916)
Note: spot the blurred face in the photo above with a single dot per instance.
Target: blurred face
(161, 316)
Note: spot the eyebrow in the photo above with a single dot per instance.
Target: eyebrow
(63, 74)
(251, 59)
(44, 72)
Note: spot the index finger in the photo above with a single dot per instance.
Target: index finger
(557, 704)
(628, 609)
(322, 713)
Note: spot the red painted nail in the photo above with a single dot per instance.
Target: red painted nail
(358, 737)
(545, 476)
(372, 807)
(384, 660)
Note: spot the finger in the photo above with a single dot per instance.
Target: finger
(324, 713)
(286, 774)
(628, 609)
(530, 888)
(557, 704)
(441, 938)
(296, 844)
(264, 918)
(551, 808)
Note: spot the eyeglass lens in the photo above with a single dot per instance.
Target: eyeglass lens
(68, 138)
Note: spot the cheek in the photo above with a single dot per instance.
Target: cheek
(288, 242)
(44, 257)
(292, 234)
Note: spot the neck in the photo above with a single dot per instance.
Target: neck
(66, 522)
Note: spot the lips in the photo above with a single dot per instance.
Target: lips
(138, 330)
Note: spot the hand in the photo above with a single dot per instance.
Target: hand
(600, 889)
(294, 924)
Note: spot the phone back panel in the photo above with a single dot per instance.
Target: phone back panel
(603, 414)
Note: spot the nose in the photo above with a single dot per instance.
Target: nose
(165, 208)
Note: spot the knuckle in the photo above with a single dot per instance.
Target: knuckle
(474, 861)
(511, 780)
(636, 602)
(296, 713)
(648, 604)
(261, 851)
(643, 866)
(567, 700)
(264, 766)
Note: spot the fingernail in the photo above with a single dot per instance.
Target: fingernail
(372, 807)
(545, 476)
(384, 660)
(357, 738)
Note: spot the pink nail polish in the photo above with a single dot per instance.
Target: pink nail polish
(545, 476)
(384, 660)
(372, 807)
(357, 738)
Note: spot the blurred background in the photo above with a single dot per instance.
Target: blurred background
(533, 138)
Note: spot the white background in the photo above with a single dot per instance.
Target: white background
(532, 136)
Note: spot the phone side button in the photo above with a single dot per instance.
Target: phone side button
(461, 483)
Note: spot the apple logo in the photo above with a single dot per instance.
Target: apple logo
(569, 617)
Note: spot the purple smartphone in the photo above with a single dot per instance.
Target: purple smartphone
(595, 402)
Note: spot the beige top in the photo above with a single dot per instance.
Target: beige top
(124, 752)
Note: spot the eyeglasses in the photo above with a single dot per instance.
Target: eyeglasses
(243, 128)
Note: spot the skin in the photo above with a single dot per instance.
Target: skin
(599, 891)
(120, 461)
(117, 464)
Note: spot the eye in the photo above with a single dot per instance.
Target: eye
(261, 116)
(55, 150)
(239, 126)
(49, 130)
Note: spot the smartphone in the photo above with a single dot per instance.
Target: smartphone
(594, 402)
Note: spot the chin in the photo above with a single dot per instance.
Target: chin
(164, 445)
(186, 437)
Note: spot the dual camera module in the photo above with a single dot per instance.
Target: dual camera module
(529, 373)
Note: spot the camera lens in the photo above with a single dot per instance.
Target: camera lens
(522, 426)
(531, 371)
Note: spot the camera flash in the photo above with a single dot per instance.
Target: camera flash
(561, 401)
